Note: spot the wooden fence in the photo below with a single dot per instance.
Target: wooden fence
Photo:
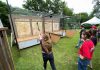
(6, 62)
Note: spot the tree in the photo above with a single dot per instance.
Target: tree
(96, 10)
(82, 17)
(91, 15)
(56, 6)
(48, 5)
(67, 11)
(37, 5)
(4, 14)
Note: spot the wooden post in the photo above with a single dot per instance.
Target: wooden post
(31, 26)
(6, 62)
(43, 24)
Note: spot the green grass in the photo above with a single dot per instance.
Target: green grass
(65, 55)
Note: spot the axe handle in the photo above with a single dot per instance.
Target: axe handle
(49, 35)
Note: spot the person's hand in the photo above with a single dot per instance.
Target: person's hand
(82, 40)
(41, 36)
(82, 57)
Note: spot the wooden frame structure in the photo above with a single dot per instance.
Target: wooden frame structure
(26, 28)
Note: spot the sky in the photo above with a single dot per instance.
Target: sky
(80, 5)
(77, 5)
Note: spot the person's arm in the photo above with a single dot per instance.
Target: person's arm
(50, 39)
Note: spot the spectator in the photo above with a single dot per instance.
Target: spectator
(81, 39)
(98, 34)
(85, 52)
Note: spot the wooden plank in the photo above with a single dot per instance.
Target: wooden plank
(54, 37)
(4, 28)
(6, 62)
(48, 26)
(3, 60)
(23, 29)
(28, 43)
(27, 38)
(35, 28)
(7, 50)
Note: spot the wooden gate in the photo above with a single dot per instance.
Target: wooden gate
(6, 62)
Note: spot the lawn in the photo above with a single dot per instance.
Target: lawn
(65, 55)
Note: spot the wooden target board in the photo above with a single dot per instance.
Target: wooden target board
(27, 29)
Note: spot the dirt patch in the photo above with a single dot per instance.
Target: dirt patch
(70, 33)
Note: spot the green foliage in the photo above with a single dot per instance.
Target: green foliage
(91, 15)
(96, 10)
(68, 11)
(3, 8)
(4, 14)
(37, 5)
(5, 20)
(98, 26)
(56, 6)
(71, 22)
(82, 17)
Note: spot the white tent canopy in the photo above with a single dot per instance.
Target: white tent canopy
(92, 21)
